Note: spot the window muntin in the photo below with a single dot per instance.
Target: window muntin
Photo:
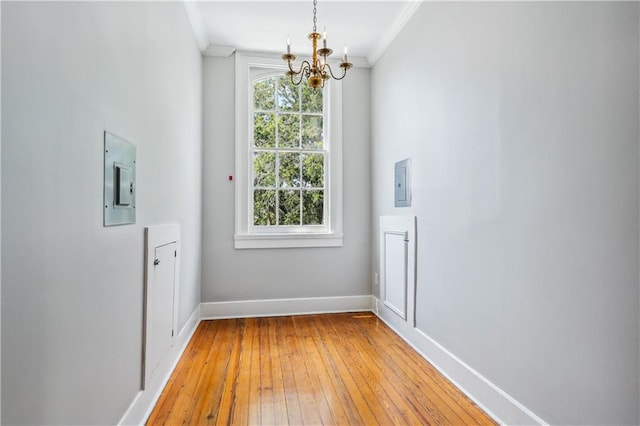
(289, 157)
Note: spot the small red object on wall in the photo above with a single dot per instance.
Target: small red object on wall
(230, 177)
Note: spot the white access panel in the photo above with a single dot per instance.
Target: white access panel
(397, 265)
(395, 272)
(162, 272)
(160, 305)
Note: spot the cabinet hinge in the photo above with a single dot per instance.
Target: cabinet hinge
(175, 253)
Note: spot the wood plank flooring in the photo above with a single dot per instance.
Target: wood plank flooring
(333, 369)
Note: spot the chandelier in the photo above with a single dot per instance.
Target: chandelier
(318, 70)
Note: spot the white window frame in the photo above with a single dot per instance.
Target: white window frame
(246, 235)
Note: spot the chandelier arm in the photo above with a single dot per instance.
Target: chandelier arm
(302, 66)
(344, 72)
(299, 80)
(302, 72)
(305, 65)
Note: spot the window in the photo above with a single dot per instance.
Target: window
(288, 155)
(288, 159)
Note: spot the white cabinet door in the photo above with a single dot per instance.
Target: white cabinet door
(397, 265)
(161, 305)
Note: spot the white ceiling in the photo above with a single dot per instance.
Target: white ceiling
(366, 27)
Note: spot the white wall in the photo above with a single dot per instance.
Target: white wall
(521, 120)
(73, 289)
(230, 274)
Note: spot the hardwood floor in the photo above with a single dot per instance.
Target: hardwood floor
(314, 369)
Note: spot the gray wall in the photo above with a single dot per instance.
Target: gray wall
(230, 274)
(521, 120)
(72, 289)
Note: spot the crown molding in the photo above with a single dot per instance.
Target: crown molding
(357, 61)
(218, 51)
(197, 24)
(392, 31)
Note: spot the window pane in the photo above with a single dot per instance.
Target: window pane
(287, 98)
(264, 92)
(312, 131)
(289, 170)
(264, 207)
(264, 169)
(313, 207)
(289, 207)
(311, 99)
(264, 134)
(313, 170)
(289, 130)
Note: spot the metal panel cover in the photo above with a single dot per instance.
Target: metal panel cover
(119, 181)
(402, 183)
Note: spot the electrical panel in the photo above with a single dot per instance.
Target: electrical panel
(119, 181)
(402, 183)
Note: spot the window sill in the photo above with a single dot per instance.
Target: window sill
(266, 241)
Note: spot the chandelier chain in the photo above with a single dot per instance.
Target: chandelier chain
(315, 18)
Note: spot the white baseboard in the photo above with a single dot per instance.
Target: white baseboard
(494, 401)
(145, 400)
(280, 307)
